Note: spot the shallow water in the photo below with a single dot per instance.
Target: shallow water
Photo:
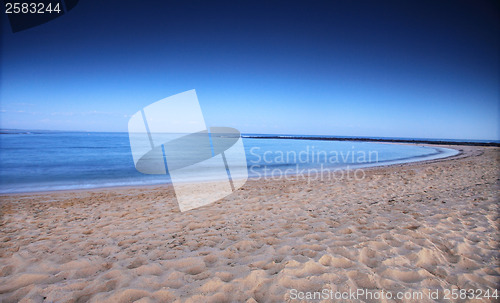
(76, 160)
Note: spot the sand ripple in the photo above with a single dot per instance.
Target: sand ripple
(401, 228)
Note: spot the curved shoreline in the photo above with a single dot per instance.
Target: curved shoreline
(314, 171)
(398, 162)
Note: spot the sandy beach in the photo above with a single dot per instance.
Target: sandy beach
(412, 228)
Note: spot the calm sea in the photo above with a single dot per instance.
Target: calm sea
(75, 160)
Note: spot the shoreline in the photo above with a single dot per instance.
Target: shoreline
(359, 166)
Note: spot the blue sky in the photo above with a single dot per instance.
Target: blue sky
(426, 69)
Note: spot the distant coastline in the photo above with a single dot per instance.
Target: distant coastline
(379, 140)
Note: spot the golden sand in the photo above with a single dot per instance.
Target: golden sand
(413, 227)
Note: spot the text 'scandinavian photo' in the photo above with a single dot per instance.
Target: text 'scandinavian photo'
(250, 151)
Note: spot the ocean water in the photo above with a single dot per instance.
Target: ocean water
(76, 160)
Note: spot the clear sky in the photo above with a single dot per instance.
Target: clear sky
(427, 69)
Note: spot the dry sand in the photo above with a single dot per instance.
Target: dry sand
(412, 227)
